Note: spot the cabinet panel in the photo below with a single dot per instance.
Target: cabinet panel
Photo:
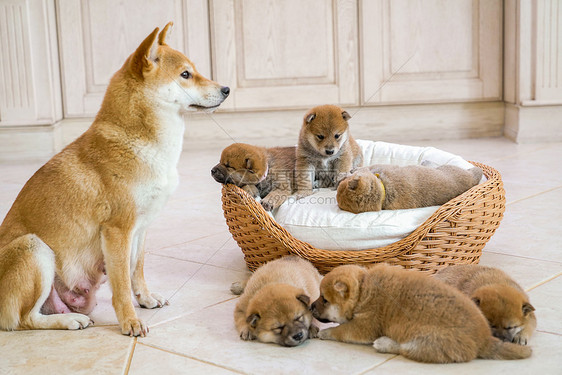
(278, 54)
(430, 50)
(96, 37)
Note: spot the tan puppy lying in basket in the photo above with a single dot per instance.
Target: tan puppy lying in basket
(391, 187)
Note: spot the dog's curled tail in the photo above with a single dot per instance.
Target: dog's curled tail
(497, 349)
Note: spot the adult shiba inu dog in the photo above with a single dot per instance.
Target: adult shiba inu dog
(502, 301)
(408, 313)
(266, 173)
(326, 151)
(85, 212)
(274, 306)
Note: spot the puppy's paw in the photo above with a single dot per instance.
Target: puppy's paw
(134, 327)
(150, 301)
(313, 332)
(76, 321)
(325, 334)
(267, 205)
(520, 339)
(385, 344)
(237, 288)
(246, 335)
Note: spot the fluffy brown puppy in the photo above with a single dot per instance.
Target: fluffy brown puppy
(391, 187)
(502, 300)
(326, 150)
(267, 173)
(274, 306)
(408, 313)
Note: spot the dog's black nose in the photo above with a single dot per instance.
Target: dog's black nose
(329, 152)
(298, 336)
(225, 91)
(218, 175)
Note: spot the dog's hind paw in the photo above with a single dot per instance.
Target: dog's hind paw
(77, 321)
(385, 344)
(151, 301)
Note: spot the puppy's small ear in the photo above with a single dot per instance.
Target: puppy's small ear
(346, 116)
(309, 117)
(253, 319)
(476, 300)
(527, 308)
(304, 299)
(353, 184)
(249, 163)
(164, 33)
(341, 288)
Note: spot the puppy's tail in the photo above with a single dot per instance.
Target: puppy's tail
(497, 349)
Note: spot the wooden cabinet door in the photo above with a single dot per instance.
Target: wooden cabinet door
(416, 51)
(285, 54)
(97, 36)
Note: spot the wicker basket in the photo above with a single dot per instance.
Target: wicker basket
(454, 234)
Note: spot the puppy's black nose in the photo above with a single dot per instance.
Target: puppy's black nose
(217, 175)
(329, 152)
(298, 336)
(225, 91)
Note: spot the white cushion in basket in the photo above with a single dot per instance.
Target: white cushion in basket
(318, 220)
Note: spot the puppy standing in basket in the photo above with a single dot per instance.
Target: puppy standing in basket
(326, 151)
(408, 313)
(85, 212)
(502, 300)
(274, 306)
(266, 173)
(391, 187)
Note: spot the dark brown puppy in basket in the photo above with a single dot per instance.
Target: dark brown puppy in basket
(266, 173)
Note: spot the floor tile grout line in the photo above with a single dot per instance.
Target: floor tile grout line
(130, 359)
(377, 365)
(543, 282)
(549, 333)
(190, 241)
(533, 195)
(192, 358)
(524, 257)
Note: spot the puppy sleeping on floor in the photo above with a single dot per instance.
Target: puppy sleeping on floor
(265, 173)
(502, 300)
(408, 313)
(274, 306)
(391, 187)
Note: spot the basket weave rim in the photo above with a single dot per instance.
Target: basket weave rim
(405, 245)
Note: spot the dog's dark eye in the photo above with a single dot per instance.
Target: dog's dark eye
(300, 318)
(251, 171)
(337, 136)
(185, 75)
(320, 137)
(324, 300)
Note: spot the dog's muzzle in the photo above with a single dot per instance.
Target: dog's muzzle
(218, 174)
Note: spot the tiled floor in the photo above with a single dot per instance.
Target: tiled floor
(192, 260)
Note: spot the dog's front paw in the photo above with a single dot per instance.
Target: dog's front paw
(325, 334)
(150, 301)
(134, 327)
(313, 332)
(385, 344)
(520, 339)
(246, 335)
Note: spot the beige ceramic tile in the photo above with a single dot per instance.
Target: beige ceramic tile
(150, 361)
(546, 300)
(210, 335)
(97, 350)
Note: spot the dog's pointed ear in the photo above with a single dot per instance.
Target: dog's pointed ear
(252, 320)
(346, 116)
(341, 287)
(309, 117)
(249, 163)
(527, 308)
(353, 184)
(164, 33)
(144, 57)
(304, 299)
